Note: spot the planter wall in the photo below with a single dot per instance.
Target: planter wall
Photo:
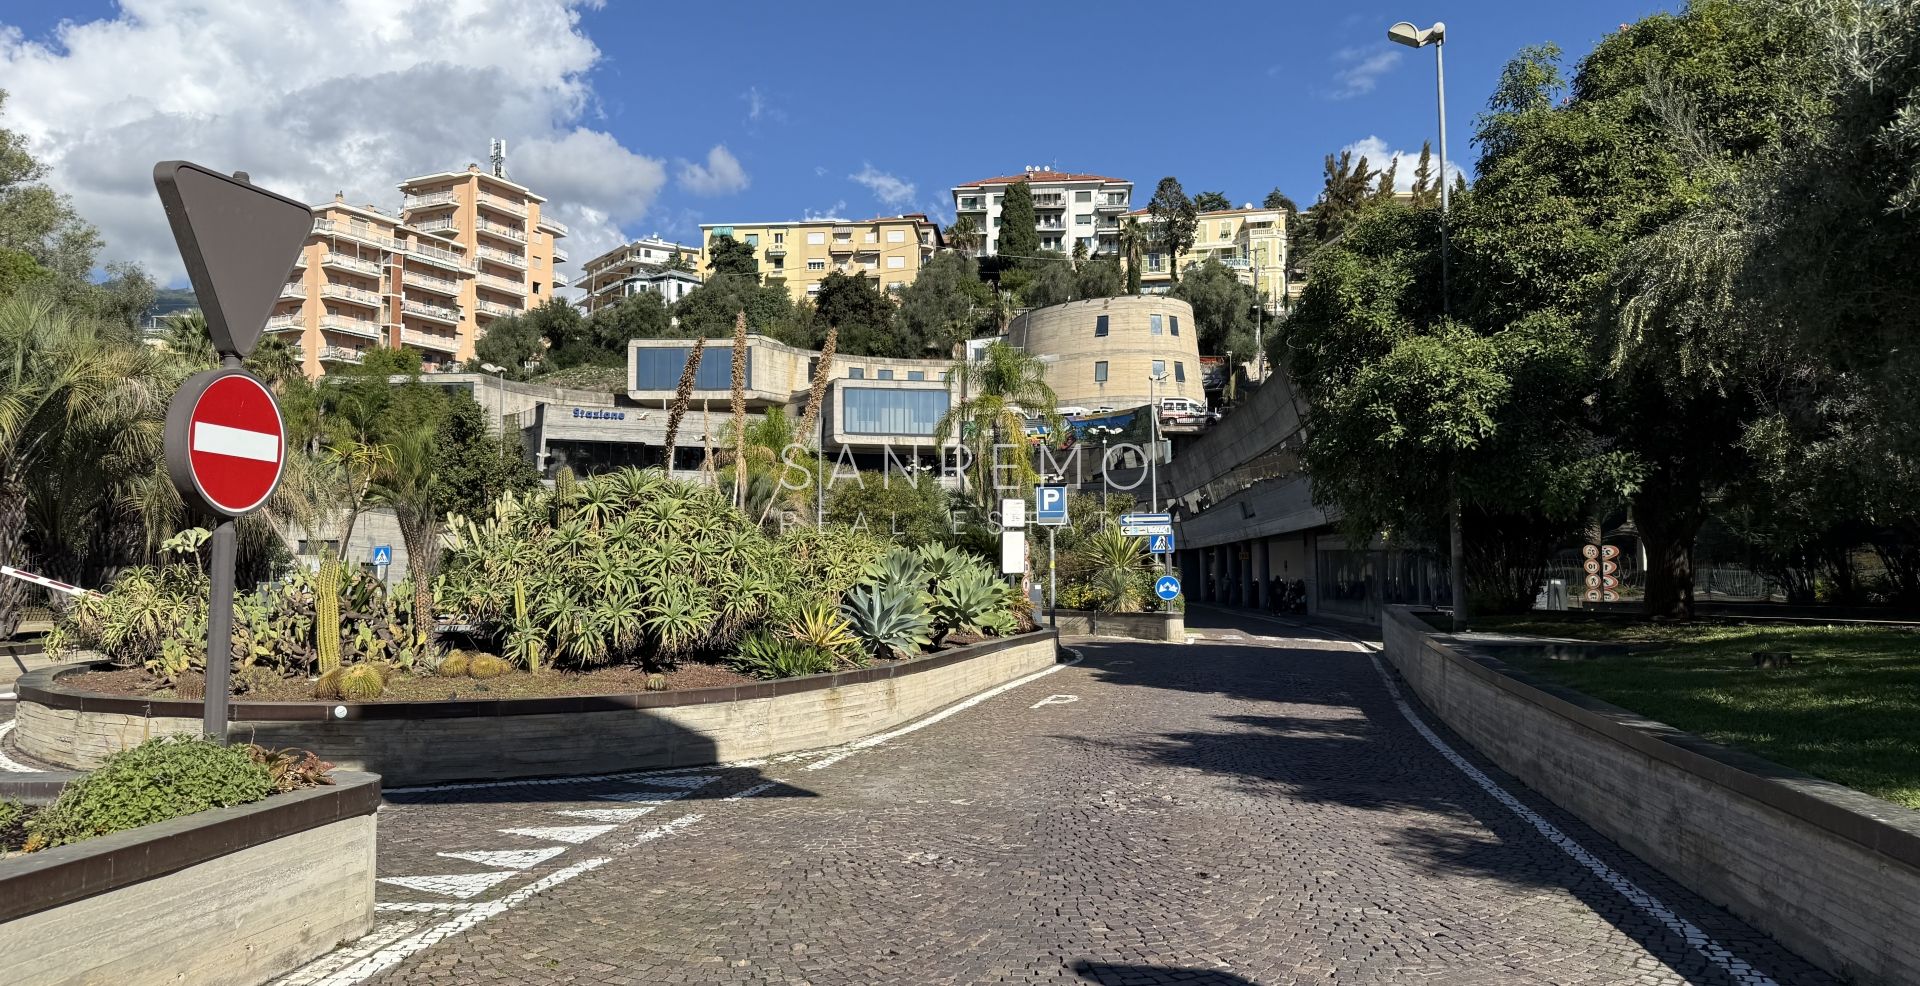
(427, 742)
(1139, 626)
(1831, 873)
(229, 897)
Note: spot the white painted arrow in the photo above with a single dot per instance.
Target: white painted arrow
(605, 814)
(514, 859)
(461, 885)
(575, 834)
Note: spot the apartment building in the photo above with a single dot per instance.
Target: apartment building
(1068, 208)
(466, 248)
(1252, 242)
(643, 265)
(798, 255)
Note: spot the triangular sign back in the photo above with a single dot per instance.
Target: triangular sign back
(239, 242)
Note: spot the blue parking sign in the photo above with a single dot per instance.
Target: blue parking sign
(1050, 505)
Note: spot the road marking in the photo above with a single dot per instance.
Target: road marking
(461, 885)
(422, 906)
(857, 745)
(237, 442)
(575, 834)
(516, 859)
(1648, 904)
(1055, 700)
(750, 792)
(9, 764)
(605, 814)
(657, 832)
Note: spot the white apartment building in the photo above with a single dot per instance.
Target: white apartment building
(639, 266)
(1069, 208)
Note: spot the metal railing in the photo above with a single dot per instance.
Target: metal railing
(293, 289)
(502, 256)
(359, 296)
(429, 200)
(559, 255)
(365, 327)
(496, 202)
(341, 354)
(281, 323)
(430, 282)
(495, 308)
(430, 340)
(341, 260)
(502, 283)
(435, 224)
(492, 228)
(425, 310)
(555, 225)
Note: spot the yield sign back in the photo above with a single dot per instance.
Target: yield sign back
(239, 242)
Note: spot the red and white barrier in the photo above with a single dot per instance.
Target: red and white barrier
(41, 580)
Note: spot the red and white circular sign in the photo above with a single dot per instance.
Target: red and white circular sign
(226, 441)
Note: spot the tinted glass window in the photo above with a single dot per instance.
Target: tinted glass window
(872, 411)
(659, 368)
(1100, 325)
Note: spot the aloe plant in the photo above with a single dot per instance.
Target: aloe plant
(768, 656)
(891, 620)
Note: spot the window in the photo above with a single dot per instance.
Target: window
(813, 289)
(779, 238)
(916, 374)
(856, 373)
(1100, 371)
(873, 411)
(659, 368)
(996, 222)
(1159, 368)
(1153, 261)
(816, 265)
(1050, 243)
(1179, 372)
(1153, 324)
(896, 236)
(869, 265)
(896, 263)
(536, 287)
(778, 263)
(647, 253)
(1226, 230)
(1100, 325)
(753, 239)
(816, 239)
(1086, 196)
(1083, 219)
(813, 366)
(1174, 323)
(884, 375)
(999, 199)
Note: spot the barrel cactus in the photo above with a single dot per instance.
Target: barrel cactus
(361, 683)
(328, 685)
(656, 682)
(454, 665)
(487, 666)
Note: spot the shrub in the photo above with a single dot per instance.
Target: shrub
(155, 781)
(487, 666)
(290, 769)
(13, 825)
(893, 622)
(766, 656)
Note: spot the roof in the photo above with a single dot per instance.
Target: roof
(1213, 212)
(1043, 176)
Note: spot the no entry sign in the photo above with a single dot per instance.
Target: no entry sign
(226, 442)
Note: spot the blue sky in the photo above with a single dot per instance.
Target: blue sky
(643, 117)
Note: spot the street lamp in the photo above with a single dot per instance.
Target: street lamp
(1413, 37)
(500, 407)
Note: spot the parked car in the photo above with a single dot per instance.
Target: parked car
(1181, 407)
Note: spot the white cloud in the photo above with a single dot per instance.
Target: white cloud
(890, 190)
(399, 88)
(836, 211)
(1360, 70)
(721, 175)
(1379, 155)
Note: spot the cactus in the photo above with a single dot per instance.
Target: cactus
(361, 683)
(190, 685)
(328, 686)
(326, 616)
(487, 666)
(454, 665)
(656, 682)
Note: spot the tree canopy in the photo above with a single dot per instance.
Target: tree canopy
(726, 255)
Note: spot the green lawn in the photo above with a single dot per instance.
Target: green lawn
(1848, 711)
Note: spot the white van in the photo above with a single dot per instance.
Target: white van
(1181, 407)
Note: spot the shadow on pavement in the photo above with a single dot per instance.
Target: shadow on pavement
(1120, 974)
(679, 786)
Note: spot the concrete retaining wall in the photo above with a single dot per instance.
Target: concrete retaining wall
(1140, 626)
(426, 742)
(231, 897)
(1831, 873)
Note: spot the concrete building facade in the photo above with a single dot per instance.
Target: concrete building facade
(1068, 208)
(1102, 352)
(643, 265)
(798, 255)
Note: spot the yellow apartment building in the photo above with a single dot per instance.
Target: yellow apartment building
(466, 248)
(797, 255)
(1253, 242)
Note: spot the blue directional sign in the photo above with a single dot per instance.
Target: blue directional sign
(1167, 588)
(1160, 544)
(1049, 505)
(383, 554)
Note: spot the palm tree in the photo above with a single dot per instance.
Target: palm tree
(998, 393)
(965, 235)
(403, 481)
(1133, 242)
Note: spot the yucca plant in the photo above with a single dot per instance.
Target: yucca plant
(891, 621)
(764, 655)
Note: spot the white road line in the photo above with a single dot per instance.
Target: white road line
(1648, 904)
(237, 442)
(373, 941)
(422, 907)
(872, 741)
(7, 763)
(1055, 700)
(658, 831)
(513, 859)
(461, 885)
(575, 834)
(750, 792)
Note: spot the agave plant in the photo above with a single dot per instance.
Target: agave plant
(819, 624)
(968, 599)
(898, 569)
(942, 562)
(891, 620)
(767, 656)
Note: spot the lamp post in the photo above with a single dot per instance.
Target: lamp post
(1153, 460)
(500, 407)
(1413, 37)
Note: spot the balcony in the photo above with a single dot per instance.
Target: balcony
(511, 208)
(358, 296)
(559, 255)
(365, 232)
(499, 283)
(437, 313)
(554, 226)
(497, 309)
(502, 257)
(438, 226)
(429, 200)
(972, 205)
(433, 254)
(1050, 201)
(293, 289)
(430, 340)
(300, 262)
(365, 328)
(421, 279)
(341, 354)
(842, 246)
(289, 322)
(344, 262)
(501, 230)
(1052, 226)
(1112, 205)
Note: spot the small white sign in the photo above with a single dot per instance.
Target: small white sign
(1146, 530)
(1013, 552)
(1013, 513)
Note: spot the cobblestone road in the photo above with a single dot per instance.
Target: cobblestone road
(1240, 810)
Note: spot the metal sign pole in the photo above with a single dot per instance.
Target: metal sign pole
(1053, 584)
(220, 630)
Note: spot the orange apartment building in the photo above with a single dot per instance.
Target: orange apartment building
(468, 247)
